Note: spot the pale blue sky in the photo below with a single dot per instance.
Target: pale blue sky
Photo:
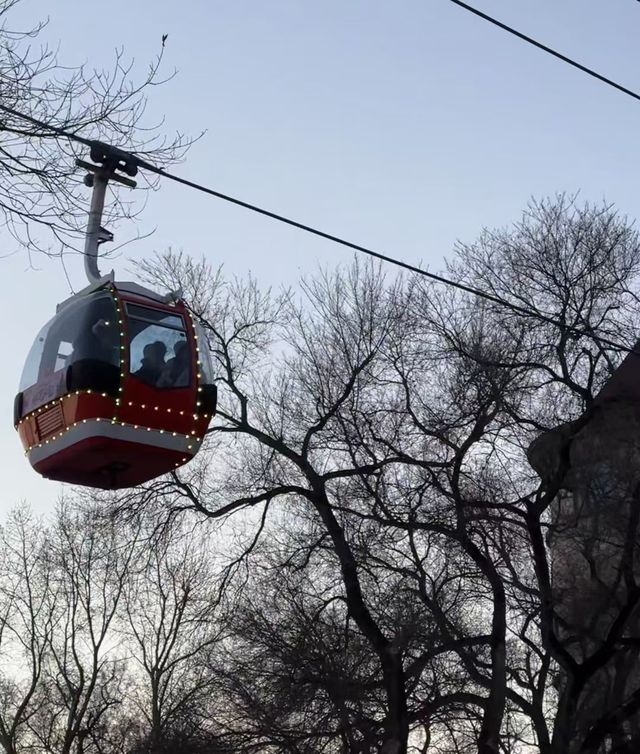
(399, 125)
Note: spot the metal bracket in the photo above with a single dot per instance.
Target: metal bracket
(91, 168)
(111, 161)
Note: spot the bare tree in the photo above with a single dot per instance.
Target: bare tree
(288, 442)
(83, 678)
(293, 676)
(393, 419)
(42, 198)
(172, 626)
(27, 621)
(107, 636)
(577, 266)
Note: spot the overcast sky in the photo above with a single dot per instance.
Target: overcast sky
(400, 125)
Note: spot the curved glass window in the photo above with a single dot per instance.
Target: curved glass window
(159, 352)
(85, 334)
(206, 367)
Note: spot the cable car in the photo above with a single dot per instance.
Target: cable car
(117, 388)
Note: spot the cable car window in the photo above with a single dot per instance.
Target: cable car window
(85, 333)
(158, 316)
(159, 352)
(34, 357)
(65, 350)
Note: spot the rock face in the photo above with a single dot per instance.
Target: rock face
(594, 545)
(592, 542)
(547, 452)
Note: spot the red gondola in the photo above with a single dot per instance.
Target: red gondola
(117, 388)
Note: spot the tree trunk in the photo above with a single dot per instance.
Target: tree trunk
(397, 723)
(563, 740)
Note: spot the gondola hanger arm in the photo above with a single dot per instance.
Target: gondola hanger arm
(111, 162)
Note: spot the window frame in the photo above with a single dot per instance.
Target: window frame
(131, 310)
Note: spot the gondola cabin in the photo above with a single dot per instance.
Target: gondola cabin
(117, 389)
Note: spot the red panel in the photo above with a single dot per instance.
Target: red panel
(27, 434)
(87, 405)
(109, 464)
(75, 408)
(148, 406)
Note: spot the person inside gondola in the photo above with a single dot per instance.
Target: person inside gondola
(153, 363)
(176, 370)
(96, 344)
(105, 343)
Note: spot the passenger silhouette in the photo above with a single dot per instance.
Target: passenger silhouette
(152, 363)
(98, 343)
(176, 370)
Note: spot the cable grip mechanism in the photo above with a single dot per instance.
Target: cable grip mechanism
(111, 163)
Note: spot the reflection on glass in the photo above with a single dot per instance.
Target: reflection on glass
(85, 331)
(206, 367)
(159, 353)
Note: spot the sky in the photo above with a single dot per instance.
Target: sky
(402, 126)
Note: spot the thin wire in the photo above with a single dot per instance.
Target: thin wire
(549, 50)
(47, 126)
(391, 260)
(504, 303)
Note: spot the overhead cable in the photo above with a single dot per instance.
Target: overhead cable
(477, 292)
(549, 50)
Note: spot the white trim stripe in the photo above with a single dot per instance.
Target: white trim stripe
(105, 428)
